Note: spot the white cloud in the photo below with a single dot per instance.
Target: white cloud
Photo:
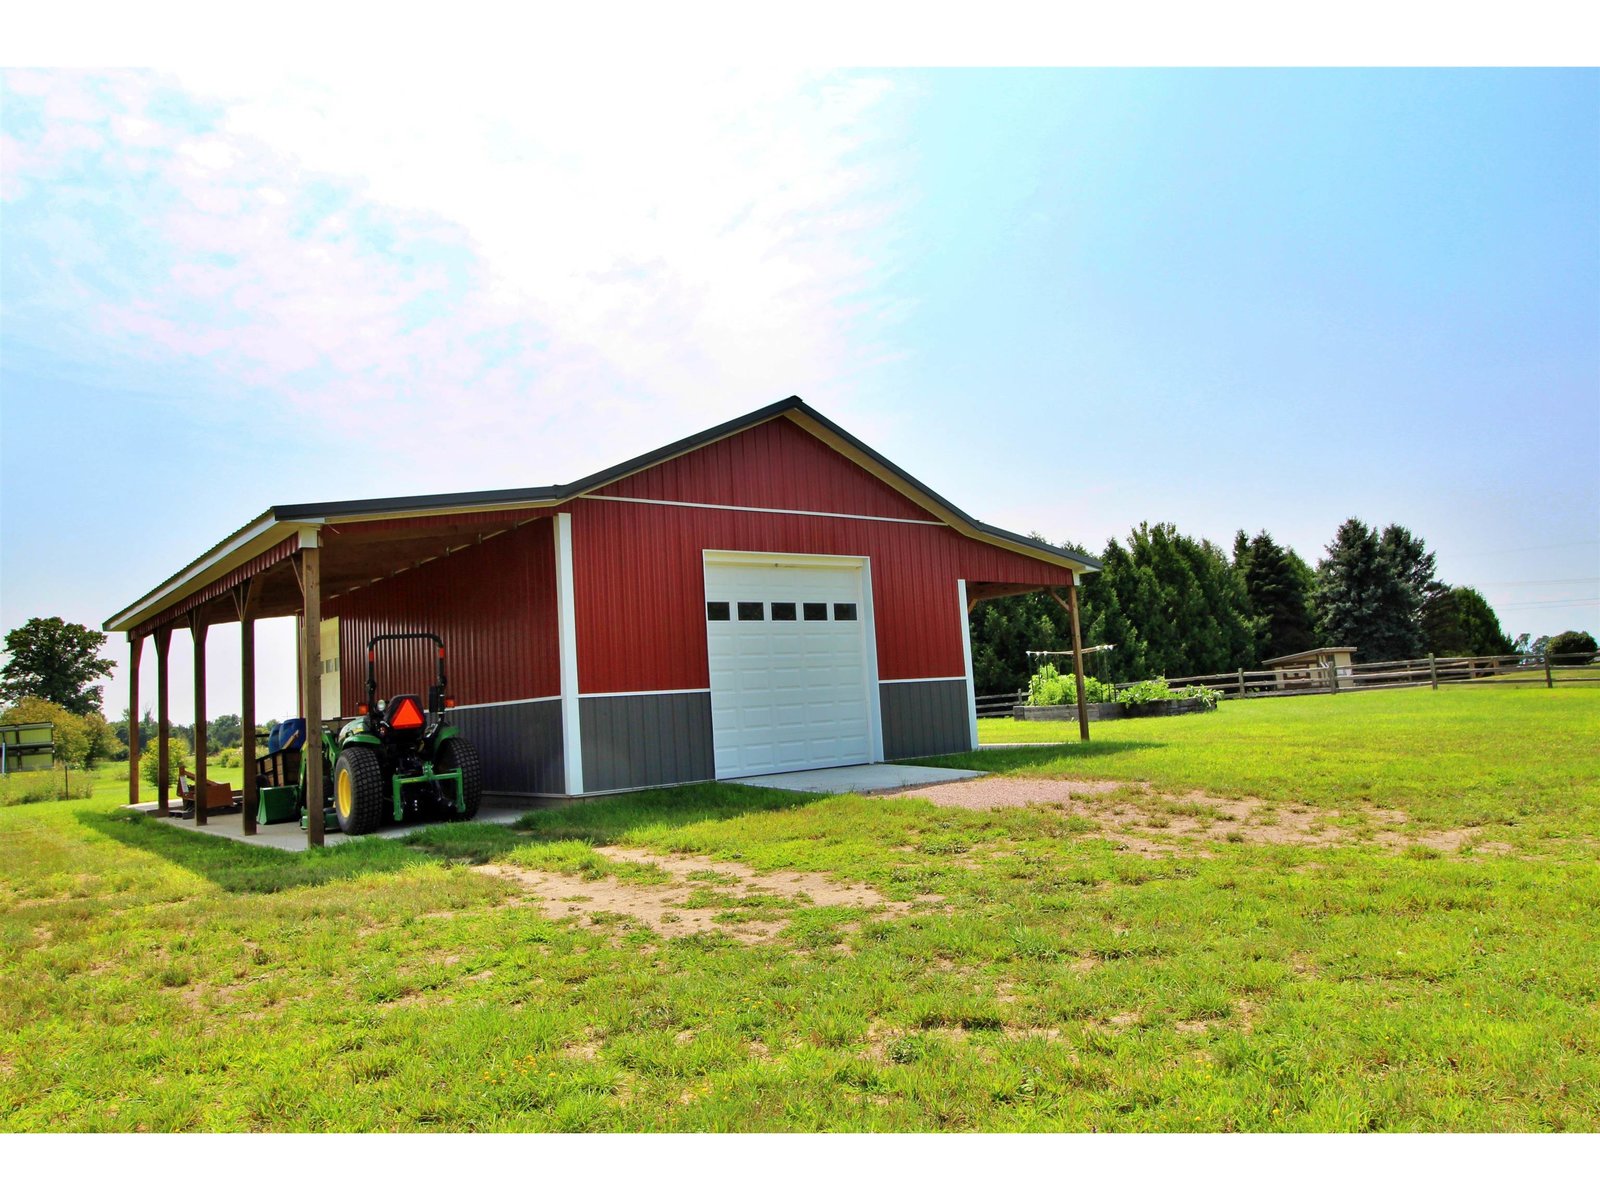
(614, 259)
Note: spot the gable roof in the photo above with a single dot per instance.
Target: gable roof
(283, 520)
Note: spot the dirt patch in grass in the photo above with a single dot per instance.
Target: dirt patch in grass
(803, 886)
(990, 792)
(745, 905)
(1156, 824)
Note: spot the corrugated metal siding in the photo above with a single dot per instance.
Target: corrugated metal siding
(494, 606)
(520, 746)
(923, 718)
(640, 587)
(642, 741)
(774, 465)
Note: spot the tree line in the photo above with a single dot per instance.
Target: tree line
(1174, 605)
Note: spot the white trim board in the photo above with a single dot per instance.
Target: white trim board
(777, 558)
(966, 661)
(503, 703)
(784, 512)
(567, 627)
(655, 692)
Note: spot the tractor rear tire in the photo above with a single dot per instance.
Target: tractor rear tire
(358, 790)
(460, 753)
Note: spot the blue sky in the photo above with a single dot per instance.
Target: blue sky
(1070, 300)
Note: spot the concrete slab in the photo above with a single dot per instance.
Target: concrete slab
(869, 777)
(289, 836)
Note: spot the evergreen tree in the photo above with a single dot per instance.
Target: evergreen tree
(1004, 630)
(1241, 553)
(1127, 662)
(1279, 598)
(1441, 623)
(1349, 582)
(1171, 605)
(1370, 591)
(1480, 625)
(1410, 565)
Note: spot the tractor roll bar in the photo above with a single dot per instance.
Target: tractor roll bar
(435, 694)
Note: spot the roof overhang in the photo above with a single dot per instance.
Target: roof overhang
(235, 550)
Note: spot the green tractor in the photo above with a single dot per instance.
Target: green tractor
(401, 758)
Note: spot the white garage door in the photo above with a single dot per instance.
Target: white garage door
(789, 679)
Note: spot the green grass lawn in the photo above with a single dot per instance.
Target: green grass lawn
(1024, 971)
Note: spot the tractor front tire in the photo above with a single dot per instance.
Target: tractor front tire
(462, 754)
(358, 790)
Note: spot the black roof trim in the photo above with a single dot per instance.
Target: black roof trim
(400, 505)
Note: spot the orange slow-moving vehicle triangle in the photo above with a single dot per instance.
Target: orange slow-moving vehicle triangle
(407, 715)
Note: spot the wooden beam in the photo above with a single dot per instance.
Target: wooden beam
(197, 630)
(247, 699)
(311, 675)
(135, 648)
(163, 720)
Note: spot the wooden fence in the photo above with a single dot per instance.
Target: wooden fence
(1550, 670)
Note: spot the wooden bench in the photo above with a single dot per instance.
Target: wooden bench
(218, 795)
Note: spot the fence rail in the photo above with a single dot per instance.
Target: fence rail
(1550, 669)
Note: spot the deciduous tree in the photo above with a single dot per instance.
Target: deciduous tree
(57, 661)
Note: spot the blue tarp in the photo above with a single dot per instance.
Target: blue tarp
(288, 735)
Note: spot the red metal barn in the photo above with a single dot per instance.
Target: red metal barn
(769, 595)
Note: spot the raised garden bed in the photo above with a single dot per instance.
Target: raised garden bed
(1107, 711)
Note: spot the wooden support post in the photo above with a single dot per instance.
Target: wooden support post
(1433, 671)
(1333, 677)
(247, 700)
(1549, 679)
(197, 628)
(1071, 605)
(197, 631)
(311, 676)
(135, 648)
(163, 720)
(1241, 683)
(1077, 661)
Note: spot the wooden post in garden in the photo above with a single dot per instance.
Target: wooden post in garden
(247, 699)
(1433, 671)
(311, 677)
(1071, 605)
(163, 720)
(197, 627)
(135, 647)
